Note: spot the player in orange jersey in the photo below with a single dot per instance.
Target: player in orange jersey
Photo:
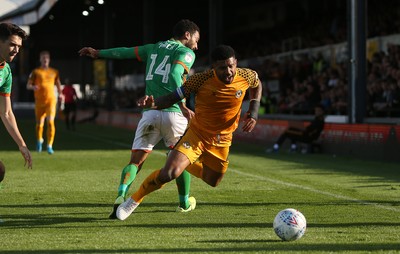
(203, 149)
(42, 81)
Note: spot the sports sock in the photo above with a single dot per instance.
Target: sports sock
(150, 184)
(51, 132)
(128, 174)
(39, 132)
(196, 169)
(183, 184)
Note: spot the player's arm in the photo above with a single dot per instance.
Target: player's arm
(252, 113)
(58, 85)
(177, 71)
(161, 102)
(113, 53)
(30, 85)
(255, 98)
(187, 112)
(8, 118)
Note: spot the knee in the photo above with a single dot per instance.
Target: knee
(212, 181)
(167, 175)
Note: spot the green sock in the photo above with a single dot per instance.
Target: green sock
(183, 184)
(127, 176)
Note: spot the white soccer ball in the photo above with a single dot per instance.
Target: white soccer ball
(290, 224)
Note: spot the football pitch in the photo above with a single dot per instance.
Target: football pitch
(62, 205)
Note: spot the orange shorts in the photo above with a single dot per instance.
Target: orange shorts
(214, 157)
(47, 109)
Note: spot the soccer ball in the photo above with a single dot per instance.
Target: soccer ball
(290, 224)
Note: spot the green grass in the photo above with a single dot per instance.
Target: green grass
(62, 205)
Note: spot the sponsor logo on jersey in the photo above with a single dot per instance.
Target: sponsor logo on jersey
(188, 58)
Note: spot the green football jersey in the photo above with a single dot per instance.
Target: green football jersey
(167, 65)
(5, 79)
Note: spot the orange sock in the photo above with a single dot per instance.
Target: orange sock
(196, 169)
(150, 184)
(51, 132)
(39, 132)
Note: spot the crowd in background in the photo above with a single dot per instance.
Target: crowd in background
(306, 81)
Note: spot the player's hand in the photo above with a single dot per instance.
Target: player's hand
(249, 124)
(27, 156)
(146, 101)
(88, 51)
(33, 87)
(187, 112)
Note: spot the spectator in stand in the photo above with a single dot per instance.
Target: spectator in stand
(319, 64)
(306, 135)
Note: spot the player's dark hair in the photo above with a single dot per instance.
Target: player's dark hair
(184, 26)
(222, 52)
(8, 29)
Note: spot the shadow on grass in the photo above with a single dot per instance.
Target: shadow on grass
(262, 246)
(203, 204)
(87, 136)
(80, 214)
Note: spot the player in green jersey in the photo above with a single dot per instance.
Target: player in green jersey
(11, 37)
(167, 65)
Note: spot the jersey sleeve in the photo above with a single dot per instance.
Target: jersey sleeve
(5, 89)
(251, 76)
(185, 57)
(117, 53)
(193, 84)
(181, 65)
(142, 52)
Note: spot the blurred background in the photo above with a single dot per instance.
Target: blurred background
(302, 49)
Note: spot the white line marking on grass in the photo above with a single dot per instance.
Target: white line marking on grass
(266, 179)
(316, 191)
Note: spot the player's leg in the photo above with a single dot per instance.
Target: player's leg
(147, 134)
(67, 111)
(196, 169)
(130, 171)
(174, 166)
(294, 136)
(214, 163)
(51, 128)
(186, 203)
(173, 126)
(40, 115)
(73, 115)
(128, 175)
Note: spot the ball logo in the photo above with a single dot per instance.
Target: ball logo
(292, 221)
